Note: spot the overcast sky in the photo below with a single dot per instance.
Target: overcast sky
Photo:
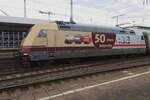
(85, 11)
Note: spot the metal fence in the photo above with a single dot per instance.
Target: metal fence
(11, 39)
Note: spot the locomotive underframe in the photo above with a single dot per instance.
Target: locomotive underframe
(49, 55)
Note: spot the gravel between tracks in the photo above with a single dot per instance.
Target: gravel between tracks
(33, 77)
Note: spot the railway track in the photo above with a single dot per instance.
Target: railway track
(12, 66)
(7, 53)
(9, 62)
(36, 75)
(7, 58)
(16, 69)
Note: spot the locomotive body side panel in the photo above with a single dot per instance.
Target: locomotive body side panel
(71, 44)
(129, 44)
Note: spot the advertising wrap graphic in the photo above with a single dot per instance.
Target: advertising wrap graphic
(100, 40)
(78, 39)
(103, 40)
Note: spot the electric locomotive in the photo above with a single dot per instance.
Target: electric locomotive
(63, 40)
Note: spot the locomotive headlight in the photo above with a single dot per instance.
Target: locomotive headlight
(25, 54)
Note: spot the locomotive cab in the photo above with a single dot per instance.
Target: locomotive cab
(38, 41)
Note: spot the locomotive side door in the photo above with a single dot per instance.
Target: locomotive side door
(51, 43)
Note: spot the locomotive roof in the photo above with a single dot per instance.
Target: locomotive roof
(88, 28)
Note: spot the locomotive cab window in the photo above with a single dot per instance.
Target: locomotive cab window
(43, 33)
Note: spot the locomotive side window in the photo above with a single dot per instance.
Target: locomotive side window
(127, 32)
(132, 32)
(122, 32)
(43, 33)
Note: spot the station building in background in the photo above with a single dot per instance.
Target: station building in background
(14, 29)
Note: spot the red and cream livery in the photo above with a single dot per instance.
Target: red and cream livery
(59, 40)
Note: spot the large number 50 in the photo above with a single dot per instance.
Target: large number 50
(100, 38)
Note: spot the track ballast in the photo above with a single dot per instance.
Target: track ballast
(38, 75)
